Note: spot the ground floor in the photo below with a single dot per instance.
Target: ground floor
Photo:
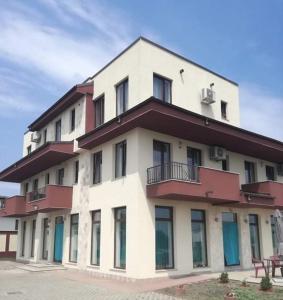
(167, 238)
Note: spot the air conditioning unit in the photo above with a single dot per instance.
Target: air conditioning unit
(207, 96)
(280, 169)
(217, 153)
(35, 137)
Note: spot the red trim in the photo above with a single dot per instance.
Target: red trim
(169, 119)
(74, 94)
(14, 207)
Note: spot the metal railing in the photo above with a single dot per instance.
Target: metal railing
(37, 194)
(172, 170)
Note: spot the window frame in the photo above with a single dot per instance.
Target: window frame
(29, 150)
(92, 223)
(58, 177)
(72, 120)
(23, 236)
(256, 224)
(224, 114)
(70, 242)
(163, 79)
(116, 209)
(76, 171)
(250, 180)
(266, 172)
(45, 234)
(99, 102)
(58, 134)
(94, 155)
(125, 103)
(124, 159)
(45, 136)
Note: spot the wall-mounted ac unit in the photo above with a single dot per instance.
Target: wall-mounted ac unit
(280, 169)
(217, 153)
(35, 137)
(207, 96)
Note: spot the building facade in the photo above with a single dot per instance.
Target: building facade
(143, 171)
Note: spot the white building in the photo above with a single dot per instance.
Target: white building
(143, 171)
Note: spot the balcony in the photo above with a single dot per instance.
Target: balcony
(49, 198)
(177, 181)
(13, 207)
(268, 194)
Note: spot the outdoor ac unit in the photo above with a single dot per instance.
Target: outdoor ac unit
(280, 169)
(217, 153)
(35, 137)
(207, 96)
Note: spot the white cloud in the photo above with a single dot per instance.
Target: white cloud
(260, 111)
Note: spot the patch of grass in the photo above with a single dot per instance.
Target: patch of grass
(214, 290)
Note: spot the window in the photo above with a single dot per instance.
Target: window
(60, 176)
(120, 159)
(45, 136)
(58, 131)
(95, 238)
(254, 236)
(122, 97)
(2, 203)
(74, 230)
(224, 110)
(225, 164)
(120, 238)
(249, 172)
(199, 238)
(162, 88)
(47, 178)
(16, 225)
(99, 111)
(194, 161)
(97, 167)
(164, 250)
(72, 120)
(270, 173)
(23, 237)
(45, 238)
(161, 161)
(35, 185)
(26, 188)
(29, 150)
(32, 238)
(273, 233)
(76, 171)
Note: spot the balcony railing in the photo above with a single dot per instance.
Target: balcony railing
(37, 194)
(172, 171)
(2, 203)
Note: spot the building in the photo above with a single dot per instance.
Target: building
(8, 234)
(143, 171)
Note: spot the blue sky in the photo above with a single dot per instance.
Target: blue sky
(47, 46)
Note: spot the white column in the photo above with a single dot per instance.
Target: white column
(244, 240)
(51, 229)
(38, 238)
(19, 240)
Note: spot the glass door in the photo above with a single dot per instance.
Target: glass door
(161, 160)
(194, 161)
(254, 236)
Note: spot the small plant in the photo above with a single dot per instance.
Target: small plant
(224, 277)
(230, 296)
(265, 284)
(244, 283)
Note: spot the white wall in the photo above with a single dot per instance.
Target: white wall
(7, 224)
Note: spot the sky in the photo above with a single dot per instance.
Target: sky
(47, 46)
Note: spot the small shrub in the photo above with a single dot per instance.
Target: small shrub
(265, 284)
(224, 277)
(244, 283)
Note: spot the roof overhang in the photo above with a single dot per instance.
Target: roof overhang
(74, 94)
(169, 119)
(46, 156)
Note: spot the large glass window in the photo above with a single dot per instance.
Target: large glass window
(99, 111)
(58, 131)
(254, 236)
(24, 237)
(122, 97)
(120, 159)
(162, 88)
(199, 238)
(72, 120)
(95, 239)
(161, 160)
(120, 238)
(194, 161)
(74, 230)
(60, 176)
(273, 233)
(97, 167)
(76, 171)
(164, 253)
(270, 173)
(45, 239)
(250, 172)
(32, 238)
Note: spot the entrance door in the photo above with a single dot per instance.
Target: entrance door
(161, 160)
(58, 239)
(230, 239)
(194, 161)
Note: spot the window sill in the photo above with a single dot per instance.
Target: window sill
(118, 270)
(71, 263)
(165, 270)
(94, 267)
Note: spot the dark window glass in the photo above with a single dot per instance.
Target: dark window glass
(99, 111)
(45, 239)
(273, 233)
(122, 97)
(73, 119)
(225, 164)
(29, 150)
(120, 159)
(199, 238)
(194, 161)
(254, 236)
(26, 188)
(45, 136)
(270, 173)
(2, 203)
(74, 230)
(120, 238)
(161, 160)
(76, 171)
(162, 88)
(47, 178)
(23, 237)
(32, 238)
(97, 167)
(224, 110)
(16, 225)
(58, 131)
(35, 185)
(95, 239)
(249, 172)
(164, 251)
(60, 176)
